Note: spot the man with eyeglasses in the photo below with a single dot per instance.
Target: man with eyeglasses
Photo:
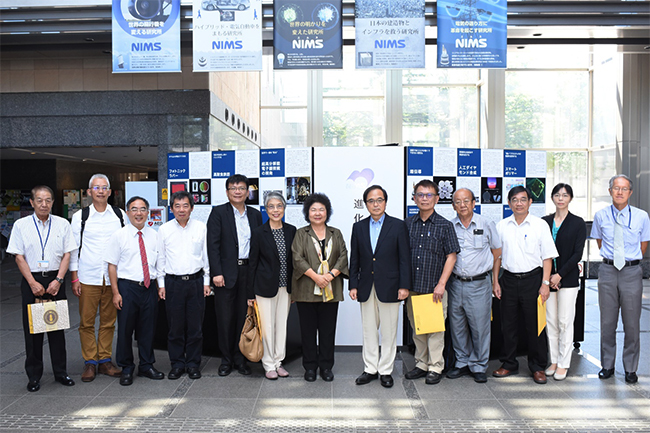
(229, 235)
(527, 256)
(92, 228)
(42, 244)
(622, 233)
(131, 255)
(470, 293)
(433, 254)
(380, 278)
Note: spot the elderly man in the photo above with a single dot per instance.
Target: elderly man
(527, 258)
(380, 278)
(622, 233)
(42, 244)
(470, 294)
(131, 256)
(184, 282)
(92, 227)
(433, 254)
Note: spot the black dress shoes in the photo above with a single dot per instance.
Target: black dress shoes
(432, 378)
(65, 380)
(310, 375)
(151, 373)
(327, 374)
(225, 369)
(194, 373)
(366, 378)
(480, 377)
(631, 377)
(175, 373)
(386, 380)
(455, 373)
(33, 385)
(244, 369)
(126, 379)
(416, 373)
(605, 373)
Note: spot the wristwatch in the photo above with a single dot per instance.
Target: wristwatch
(60, 280)
(547, 282)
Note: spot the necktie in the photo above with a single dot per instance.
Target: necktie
(145, 263)
(619, 244)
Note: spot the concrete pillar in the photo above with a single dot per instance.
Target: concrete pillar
(496, 109)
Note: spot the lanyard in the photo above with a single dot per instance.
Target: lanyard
(629, 224)
(40, 238)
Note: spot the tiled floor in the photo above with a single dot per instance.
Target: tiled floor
(581, 403)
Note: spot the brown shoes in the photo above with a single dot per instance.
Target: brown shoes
(539, 377)
(109, 369)
(502, 372)
(89, 373)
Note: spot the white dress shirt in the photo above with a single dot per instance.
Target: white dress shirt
(41, 241)
(525, 246)
(91, 267)
(182, 250)
(243, 232)
(123, 250)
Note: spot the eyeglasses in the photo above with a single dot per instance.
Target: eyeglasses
(465, 202)
(100, 188)
(237, 188)
(41, 201)
(621, 189)
(274, 207)
(519, 200)
(561, 195)
(372, 201)
(138, 209)
(428, 195)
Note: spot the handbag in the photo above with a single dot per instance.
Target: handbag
(250, 341)
(47, 315)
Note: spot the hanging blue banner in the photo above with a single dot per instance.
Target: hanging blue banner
(389, 35)
(307, 34)
(146, 36)
(472, 33)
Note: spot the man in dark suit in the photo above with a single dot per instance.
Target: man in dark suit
(229, 234)
(380, 278)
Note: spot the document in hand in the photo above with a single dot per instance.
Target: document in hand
(541, 315)
(428, 315)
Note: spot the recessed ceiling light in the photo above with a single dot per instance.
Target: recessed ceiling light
(32, 153)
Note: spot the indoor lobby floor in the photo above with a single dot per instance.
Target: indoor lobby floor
(581, 403)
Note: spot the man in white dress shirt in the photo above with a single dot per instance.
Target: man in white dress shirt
(92, 227)
(184, 282)
(131, 256)
(42, 244)
(527, 254)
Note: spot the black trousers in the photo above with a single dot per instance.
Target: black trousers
(34, 342)
(519, 299)
(318, 318)
(138, 313)
(185, 306)
(230, 308)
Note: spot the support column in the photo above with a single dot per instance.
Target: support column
(495, 115)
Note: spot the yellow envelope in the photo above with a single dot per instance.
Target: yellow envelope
(541, 315)
(428, 315)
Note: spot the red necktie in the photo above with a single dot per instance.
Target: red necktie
(145, 263)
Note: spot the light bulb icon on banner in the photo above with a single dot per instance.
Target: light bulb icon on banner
(281, 59)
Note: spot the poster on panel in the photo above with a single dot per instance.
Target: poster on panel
(389, 35)
(307, 34)
(289, 173)
(227, 35)
(146, 36)
(343, 174)
(472, 33)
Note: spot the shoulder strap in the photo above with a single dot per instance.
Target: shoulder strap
(85, 213)
(118, 212)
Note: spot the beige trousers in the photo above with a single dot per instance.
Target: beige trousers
(428, 347)
(375, 315)
(273, 317)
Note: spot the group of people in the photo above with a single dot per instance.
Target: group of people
(120, 269)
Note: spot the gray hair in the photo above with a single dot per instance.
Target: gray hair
(611, 181)
(99, 176)
(274, 195)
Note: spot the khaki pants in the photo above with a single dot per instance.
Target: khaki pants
(273, 317)
(92, 298)
(428, 347)
(376, 315)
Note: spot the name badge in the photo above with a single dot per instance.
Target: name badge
(43, 264)
(478, 238)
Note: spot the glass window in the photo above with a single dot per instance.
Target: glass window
(570, 168)
(284, 127)
(548, 57)
(283, 88)
(605, 108)
(603, 168)
(432, 75)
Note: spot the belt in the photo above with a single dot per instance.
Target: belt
(521, 275)
(45, 274)
(186, 277)
(632, 263)
(139, 283)
(242, 262)
(474, 278)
